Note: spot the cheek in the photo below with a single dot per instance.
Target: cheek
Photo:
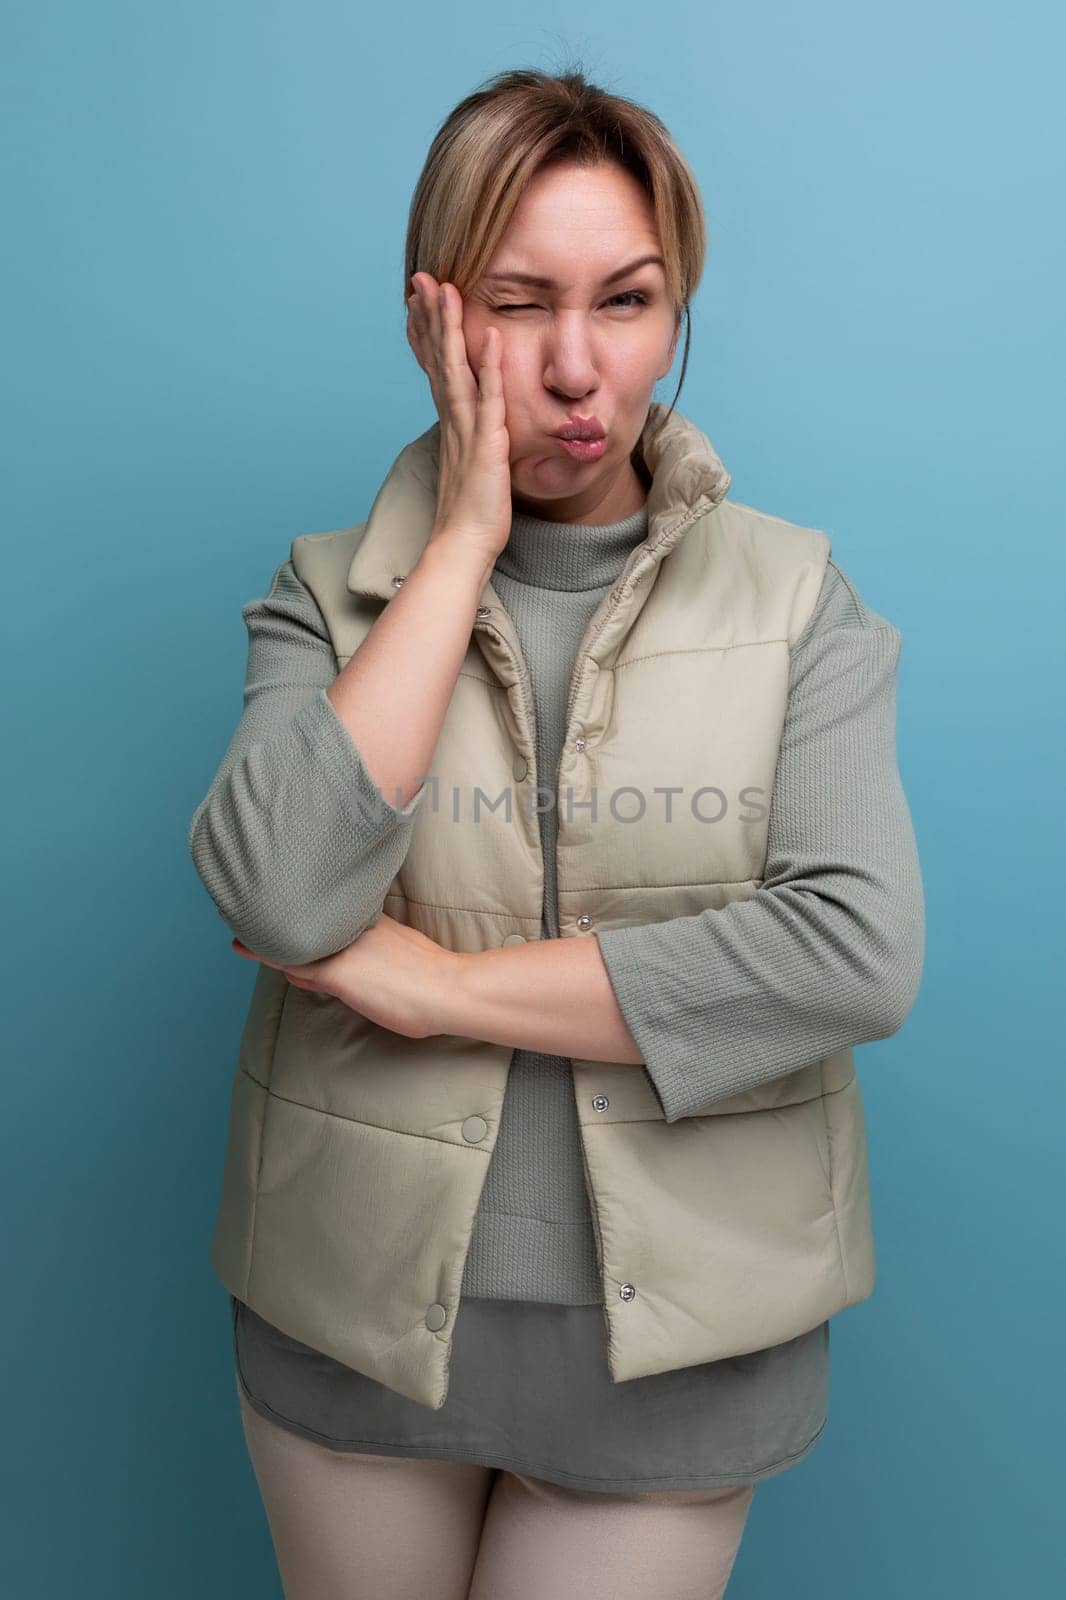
(634, 369)
(473, 338)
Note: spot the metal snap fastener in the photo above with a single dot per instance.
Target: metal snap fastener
(484, 611)
(397, 579)
(519, 767)
(584, 921)
(475, 1129)
(580, 742)
(626, 1292)
(514, 938)
(600, 1102)
(436, 1317)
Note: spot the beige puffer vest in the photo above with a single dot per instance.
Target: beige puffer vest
(356, 1157)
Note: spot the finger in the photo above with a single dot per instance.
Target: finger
(416, 308)
(422, 346)
(414, 321)
(490, 376)
(429, 344)
(459, 382)
(430, 292)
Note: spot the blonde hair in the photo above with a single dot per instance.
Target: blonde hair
(511, 127)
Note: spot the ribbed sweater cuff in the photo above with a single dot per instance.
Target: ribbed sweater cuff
(620, 949)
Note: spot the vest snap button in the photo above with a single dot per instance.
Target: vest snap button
(436, 1317)
(584, 921)
(600, 1102)
(484, 611)
(474, 1129)
(626, 1292)
(397, 579)
(519, 767)
(514, 938)
(580, 742)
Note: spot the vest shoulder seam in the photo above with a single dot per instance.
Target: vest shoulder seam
(870, 621)
(783, 522)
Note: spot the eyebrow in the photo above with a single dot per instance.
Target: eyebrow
(547, 283)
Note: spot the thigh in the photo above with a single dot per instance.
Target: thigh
(348, 1526)
(541, 1541)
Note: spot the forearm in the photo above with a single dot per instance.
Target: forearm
(725, 1001)
(393, 694)
(828, 953)
(293, 840)
(552, 996)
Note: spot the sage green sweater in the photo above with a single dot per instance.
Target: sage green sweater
(289, 842)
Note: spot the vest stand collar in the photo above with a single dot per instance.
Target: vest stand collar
(687, 478)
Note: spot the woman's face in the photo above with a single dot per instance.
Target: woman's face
(578, 346)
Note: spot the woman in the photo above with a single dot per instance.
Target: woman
(510, 1316)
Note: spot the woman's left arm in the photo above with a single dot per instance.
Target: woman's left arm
(828, 953)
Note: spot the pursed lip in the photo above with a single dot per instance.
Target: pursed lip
(582, 428)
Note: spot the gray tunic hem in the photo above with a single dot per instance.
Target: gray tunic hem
(538, 1469)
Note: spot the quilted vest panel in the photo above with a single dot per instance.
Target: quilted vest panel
(356, 1157)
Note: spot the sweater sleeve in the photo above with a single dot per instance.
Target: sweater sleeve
(828, 952)
(293, 840)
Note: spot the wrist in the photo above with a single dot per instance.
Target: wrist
(445, 1009)
(457, 559)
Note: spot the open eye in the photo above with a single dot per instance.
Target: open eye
(633, 295)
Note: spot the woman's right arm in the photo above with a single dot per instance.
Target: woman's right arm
(296, 840)
(310, 814)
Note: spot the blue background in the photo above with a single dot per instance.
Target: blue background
(205, 356)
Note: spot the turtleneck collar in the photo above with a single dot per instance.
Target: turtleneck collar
(569, 555)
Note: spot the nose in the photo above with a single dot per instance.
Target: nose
(569, 357)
